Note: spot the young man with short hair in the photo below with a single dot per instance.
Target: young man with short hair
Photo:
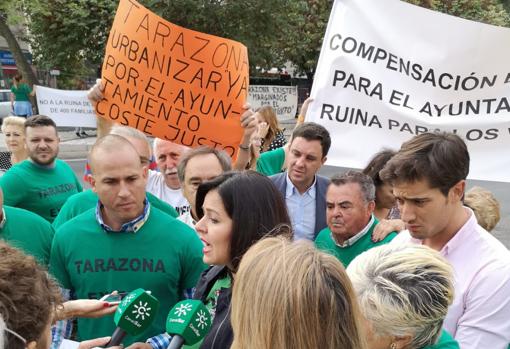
(428, 175)
(42, 183)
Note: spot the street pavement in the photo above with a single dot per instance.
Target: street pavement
(74, 150)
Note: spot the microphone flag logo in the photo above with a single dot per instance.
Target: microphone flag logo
(182, 310)
(142, 310)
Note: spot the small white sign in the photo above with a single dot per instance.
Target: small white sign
(66, 108)
(283, 99)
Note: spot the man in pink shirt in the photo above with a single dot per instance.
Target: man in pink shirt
(428, 175)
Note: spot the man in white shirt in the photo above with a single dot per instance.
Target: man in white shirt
(165, 185)
(428, 175)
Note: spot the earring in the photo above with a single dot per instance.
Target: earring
(393, 346)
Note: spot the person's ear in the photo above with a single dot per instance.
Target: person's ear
(145, 173)
(457, 191)
(323, 161)
(32, 345)
(401, 342)
(371, 206)
(92, 182)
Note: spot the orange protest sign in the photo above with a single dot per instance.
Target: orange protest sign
(173, 83)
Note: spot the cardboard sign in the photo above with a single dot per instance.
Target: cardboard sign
(283, 99)
(389, 70)
(173, 83)
(66, 108)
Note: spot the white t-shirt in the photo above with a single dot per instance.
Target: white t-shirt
(156, 186)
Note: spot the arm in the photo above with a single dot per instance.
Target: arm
(86, 308)
(385, 227)
(95, 93)
(249, 125)
(98, 342)
(62, 328)
(304, 110)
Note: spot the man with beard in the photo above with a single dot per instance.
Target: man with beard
(42, 183)
(165, 185)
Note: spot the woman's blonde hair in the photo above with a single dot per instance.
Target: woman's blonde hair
(404, 290)
(484, 205)
(14, 121)
(269, 116)
(290, 295)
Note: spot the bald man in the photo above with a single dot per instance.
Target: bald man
(124, 243)
(87, 199)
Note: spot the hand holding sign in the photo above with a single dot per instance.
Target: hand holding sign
(173, 83)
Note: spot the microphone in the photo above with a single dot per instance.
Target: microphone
(135, 314)
(188, 322)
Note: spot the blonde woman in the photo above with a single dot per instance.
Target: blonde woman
(404, 292)
(288, 295)
(269, 130)
(13, 128)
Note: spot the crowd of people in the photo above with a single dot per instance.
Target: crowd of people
(397, 255)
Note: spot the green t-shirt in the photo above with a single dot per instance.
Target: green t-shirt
(163, 256)
(81, 202)
(211, 301)
(38, 189)
(445, 342)
(271, 162)
(29, 232)
(325, 242)
(21, 93)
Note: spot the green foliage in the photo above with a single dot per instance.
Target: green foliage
(485, 11)
(255, 23)
(302, 37)
(69, 35)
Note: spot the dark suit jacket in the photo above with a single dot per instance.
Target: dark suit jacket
(280, 180)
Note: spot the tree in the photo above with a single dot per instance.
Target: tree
(20, 59)
(485, 11)
(302, 40)
(69, 35)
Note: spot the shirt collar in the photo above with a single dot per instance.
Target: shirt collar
(4, 219)
(462, 235)
(291, 189)
(355, 238)
(129, 227)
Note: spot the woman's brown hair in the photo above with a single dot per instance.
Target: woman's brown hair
(28, 296)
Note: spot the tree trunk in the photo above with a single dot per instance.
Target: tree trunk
(19, 57)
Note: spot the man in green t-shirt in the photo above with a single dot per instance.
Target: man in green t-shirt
(124, 242)
(27, 231)
(42, 183)
(349, 213)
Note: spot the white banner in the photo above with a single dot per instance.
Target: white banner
(389, 70)
(66, 108)
(283, 99)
